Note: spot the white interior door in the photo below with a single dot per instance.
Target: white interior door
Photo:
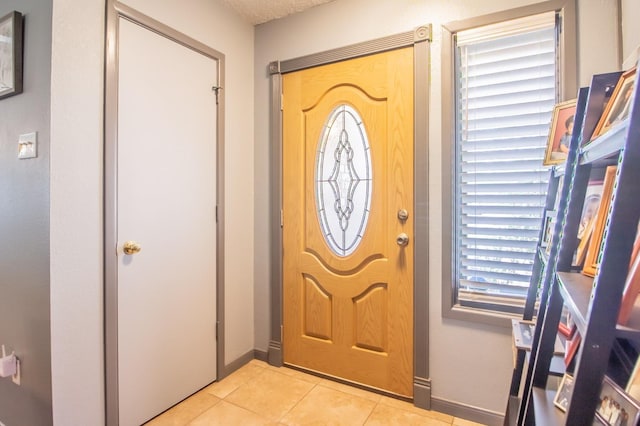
(166, 192)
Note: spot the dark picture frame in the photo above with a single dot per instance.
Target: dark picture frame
(592, 259)
(560, 133)
(618, 107)
(614, 402)
(11, 54)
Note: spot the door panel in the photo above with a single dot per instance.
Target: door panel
(349, 313)
(166, 194)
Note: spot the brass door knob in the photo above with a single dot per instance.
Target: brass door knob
(131, 247)
(403, 215)
(402, 240)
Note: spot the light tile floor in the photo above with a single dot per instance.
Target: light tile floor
(259, 394)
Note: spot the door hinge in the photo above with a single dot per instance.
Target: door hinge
(281, 101)
(281, 219)
(216, 214)
(217, 329)
(217, 90)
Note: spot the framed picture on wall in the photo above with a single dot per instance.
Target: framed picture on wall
(560, 133)
(11, 54)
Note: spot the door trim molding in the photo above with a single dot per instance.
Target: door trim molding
(114, 11)
(420, 39)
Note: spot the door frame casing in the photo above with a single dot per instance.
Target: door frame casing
(419, 39)
(114, 11)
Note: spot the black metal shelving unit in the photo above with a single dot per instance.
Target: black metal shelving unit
(592, 302)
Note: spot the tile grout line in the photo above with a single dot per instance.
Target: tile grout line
(371, 413)
(219, 400)
(299, 401)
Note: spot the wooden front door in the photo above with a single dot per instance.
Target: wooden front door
(347, 220)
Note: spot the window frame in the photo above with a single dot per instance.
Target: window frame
(567, 90)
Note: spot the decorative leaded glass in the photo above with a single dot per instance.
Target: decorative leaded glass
(343, 180)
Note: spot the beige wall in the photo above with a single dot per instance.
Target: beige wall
(76, 189)
(470, 364)
(630, 27)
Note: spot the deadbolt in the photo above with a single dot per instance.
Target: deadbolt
(131, 247)
(402, 240)
(403, 215)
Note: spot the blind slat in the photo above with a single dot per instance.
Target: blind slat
(468, 253)
(490, 276)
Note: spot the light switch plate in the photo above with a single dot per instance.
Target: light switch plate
(28, 145)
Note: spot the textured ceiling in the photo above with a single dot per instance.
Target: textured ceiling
(260, 11)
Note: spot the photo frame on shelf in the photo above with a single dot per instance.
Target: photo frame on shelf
(592, 258)
(547, 230)
(572, 348)
(600, 91)
(619, 104)
(556, 203)
(583, 244)
(632, 284)
(633, 385)
(616, 407)
(560, 133)
(567, 328)
(563, 395)
(11, 55)
(590, 207)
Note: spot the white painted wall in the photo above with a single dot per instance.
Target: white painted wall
(630, 28)
(76, 212)
(76, 189)
(470, 363)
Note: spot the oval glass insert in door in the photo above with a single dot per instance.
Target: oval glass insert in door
(343, 179)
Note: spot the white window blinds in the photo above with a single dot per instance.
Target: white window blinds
(506, 89)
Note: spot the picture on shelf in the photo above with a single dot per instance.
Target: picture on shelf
(567, 328)
(587, 219)
(633, 386)
(616, 407)
(563, 395)
(592, 259)
(560, 133)
(556, 203)
(618, 107)
(572, 348)
(547, 230)
(632, 283)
